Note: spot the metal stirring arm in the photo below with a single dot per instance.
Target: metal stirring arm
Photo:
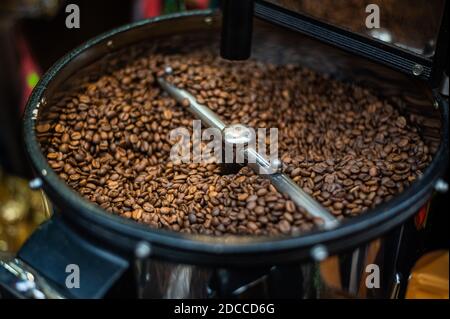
(200, 111)
(285, 185)
(259, 164)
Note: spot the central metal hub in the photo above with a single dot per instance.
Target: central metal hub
(236, 139)
(238, 134)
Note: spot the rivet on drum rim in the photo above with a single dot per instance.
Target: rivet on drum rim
(142, 250)
(110, 44)
(417, 69)
(208, 20)
(441, 186)
(25, 285)
(168, 70)
(35, 113)
(319, 252)
(436, 104)
(35, 183)
(276, 164)
(44, 172)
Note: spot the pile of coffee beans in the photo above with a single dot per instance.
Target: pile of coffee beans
(108, 138)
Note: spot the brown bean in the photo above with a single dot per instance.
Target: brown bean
(43, 128)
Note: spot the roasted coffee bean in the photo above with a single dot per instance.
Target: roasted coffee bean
(43, 128)
(165, 210)
(74, 177)
(192, 218)
(252, 226)
(242, 197)
(261, 192)
(403, 142)
(290, 206)
(134, 139)
(59, 128)
(108, 137)
(167, 114)
(288, 217)
(251, 205)
(259, 210)
(373, 171)
(75, 136)
(137, 214)
(52, 156)
(284, 226)
(185, 103)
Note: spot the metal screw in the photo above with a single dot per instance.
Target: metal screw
(25, 285)
(319, 252)
(143, 250)
(436, 104)
(208, 20)
(276, 164)
(44, 172)
(168, 69)
(417, 69)
(110, 44)
(37, 294)
(43, 101)
(441, 186)
(35, 183)
(35, 113)
(28, 287)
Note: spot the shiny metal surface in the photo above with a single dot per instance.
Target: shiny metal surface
(256, 161)
(345, 275)
(158, 279)
(21, 211)
(238, 134)
(445, 85)
(397, 285)
(25, 282)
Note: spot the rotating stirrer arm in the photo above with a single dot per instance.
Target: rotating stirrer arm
(237, 134)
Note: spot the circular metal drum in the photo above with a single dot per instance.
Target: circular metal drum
(319, 263)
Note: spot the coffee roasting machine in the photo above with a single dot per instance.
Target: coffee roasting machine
(117, 256)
